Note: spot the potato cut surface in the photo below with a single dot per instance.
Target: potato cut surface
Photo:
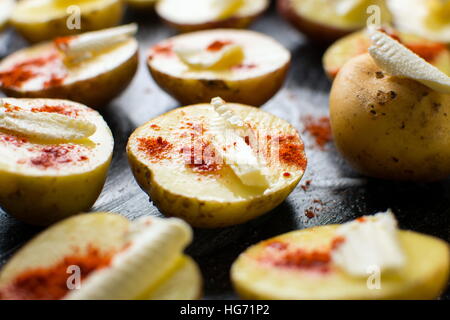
(297, 265)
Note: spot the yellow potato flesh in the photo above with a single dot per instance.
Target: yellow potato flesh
(39, 20)
(323, 12)
(388, 127)
(107, 233)
(41, 187)
(423, 277)
(213, 198)
(253, 81)
(358, 43)
(94, 81)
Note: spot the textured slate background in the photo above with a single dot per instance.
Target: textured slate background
(344, 194)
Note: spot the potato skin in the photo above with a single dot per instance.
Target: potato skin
(94, 20)
(94, 92)
(252, 91)
(44, 200)
(316, 32)
(387, 127)
(202, 214)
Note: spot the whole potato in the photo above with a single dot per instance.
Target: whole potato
(389, 127)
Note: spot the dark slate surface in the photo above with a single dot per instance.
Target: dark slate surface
(344, 194)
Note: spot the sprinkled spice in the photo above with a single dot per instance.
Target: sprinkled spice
(162, 50)
(156, 148)
(202, 158)
(51, 156)
(337, 242)
(218, 45)
(285, 256)
(50, 283)
(319, 128)
(244, 66)
(64, 110)
(291, 151)
(306, 186)
(26, 70)
(155, 127)
(63, 42)
(428, 51)
(16, 141)
(309, 213)
(286, 174)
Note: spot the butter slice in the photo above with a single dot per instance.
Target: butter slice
(45, 125)
(201, 58)
(397, 60)
(85, 45)
(370, 243)
(155, 245)
(237, 154)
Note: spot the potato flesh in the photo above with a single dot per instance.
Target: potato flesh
(358, 43)
(96, 150)
(107, 233)
(201, 11)
(423, 277)
(34, 10)
(262, 55)
(91, 68)
(222, 186)
(324, 12)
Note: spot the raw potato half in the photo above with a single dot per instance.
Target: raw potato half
(194, 15)
(389, 127)
(106, 235)
(39, 20)
(357, 43)
(320, 22)
(261, 271)
(427, 18)
(6, 9)
(252, 81)
(41, 71)
(172, 159)
(45, 180)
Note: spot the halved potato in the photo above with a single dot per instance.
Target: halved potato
(174, 160)
(252, 80)
(6, 8)
(197, 15)
(429, 19)
(45, 179)
(320, 21)
(39, 20)
(43, 71)
(264, 271)
(97, 244)
(357, 43)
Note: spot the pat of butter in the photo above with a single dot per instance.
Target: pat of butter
(226, 8)
(45, 125)
(233, 149)
(227, 57)
(397, 60)
(85, 45)
(155, 244)
(370, 242)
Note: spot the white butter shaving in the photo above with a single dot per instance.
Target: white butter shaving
(45, 125)
(201, 58)
(369, 243)
(233, 149)
(397, 60)
(85, 45)
(155, 245)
